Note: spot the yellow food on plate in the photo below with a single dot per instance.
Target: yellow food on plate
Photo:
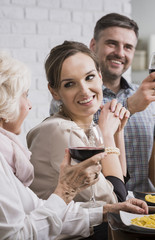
(150, 198)
(145, 221)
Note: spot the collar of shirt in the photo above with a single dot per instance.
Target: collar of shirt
(125, 90)
(124, 85)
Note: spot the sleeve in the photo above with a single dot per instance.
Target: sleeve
(80, 221)
(24, 216)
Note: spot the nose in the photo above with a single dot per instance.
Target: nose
(84, 88)
(119, 50)
(30, 105)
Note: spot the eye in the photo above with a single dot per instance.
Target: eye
(111, 43)
(68, 84)
(129, 47)
(25, 94)
(90, 77)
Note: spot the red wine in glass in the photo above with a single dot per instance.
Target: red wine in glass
(152, 63)
(79, 154)
(151, 70)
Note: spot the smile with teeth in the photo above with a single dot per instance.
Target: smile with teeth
(115, 61)
(86, 100)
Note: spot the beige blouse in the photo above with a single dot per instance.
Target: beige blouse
(47, 142)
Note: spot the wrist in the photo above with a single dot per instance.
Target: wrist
(66, 193)
(119, 135)
(105, 212)
(112, 150)
(130, 105)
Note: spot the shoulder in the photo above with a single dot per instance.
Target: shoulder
(56, 122)
(49, 128)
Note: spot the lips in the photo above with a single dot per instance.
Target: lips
(86, 100)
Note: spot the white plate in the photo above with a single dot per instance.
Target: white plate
(126, 219)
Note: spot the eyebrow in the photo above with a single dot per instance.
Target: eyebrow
(70, 79)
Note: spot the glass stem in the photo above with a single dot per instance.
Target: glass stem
(92, 199)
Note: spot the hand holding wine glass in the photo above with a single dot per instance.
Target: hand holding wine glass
(86, 141)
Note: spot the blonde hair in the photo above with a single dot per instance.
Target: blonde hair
(14, 81)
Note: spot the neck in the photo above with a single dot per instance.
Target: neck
(1, 122)
(84, 121)
(77, 119)
(113, 85)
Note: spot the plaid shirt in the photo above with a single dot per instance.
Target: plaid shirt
(139, 135)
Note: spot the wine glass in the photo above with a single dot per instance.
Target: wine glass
(152, 63)
(84, 142)
(152, 66)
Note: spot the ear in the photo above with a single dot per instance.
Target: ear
(100, 75)
(54, 93)
(92, 45)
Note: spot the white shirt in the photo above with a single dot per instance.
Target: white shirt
(24, 216)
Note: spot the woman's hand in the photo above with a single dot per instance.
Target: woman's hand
(113, 117)
(74, 178)
(121, 112)
(132, 205)
(108, 122)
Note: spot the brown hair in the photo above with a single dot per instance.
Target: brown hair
(58, 54)
(114, 20)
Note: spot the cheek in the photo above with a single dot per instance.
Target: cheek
(99, 88)
(24, 110)
(130, 57)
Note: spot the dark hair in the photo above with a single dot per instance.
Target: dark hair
(114, 20)
(58, 54)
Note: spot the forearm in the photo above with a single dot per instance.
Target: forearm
(111, 164)
(119, 140)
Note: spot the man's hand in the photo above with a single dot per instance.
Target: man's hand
(144, 95)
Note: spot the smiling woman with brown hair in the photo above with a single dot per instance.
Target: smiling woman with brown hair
(74, 79)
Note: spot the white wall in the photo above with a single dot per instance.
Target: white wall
(143, 12)
(30, 28)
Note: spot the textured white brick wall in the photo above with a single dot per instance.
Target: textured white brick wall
(30, 28)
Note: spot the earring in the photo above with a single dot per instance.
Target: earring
(60, 108)
(6, 120)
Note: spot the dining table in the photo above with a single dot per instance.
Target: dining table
(119, 231)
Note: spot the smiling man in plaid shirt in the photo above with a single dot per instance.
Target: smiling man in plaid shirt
(114, 42)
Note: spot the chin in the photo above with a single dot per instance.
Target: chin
(17, 132)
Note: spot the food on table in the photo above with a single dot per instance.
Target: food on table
(150, 198)
(147, 221)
